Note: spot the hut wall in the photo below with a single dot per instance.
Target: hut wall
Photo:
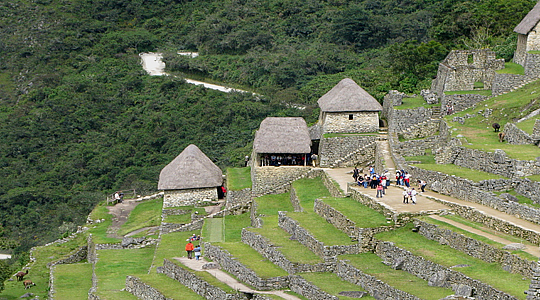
(175, 198)
(521, 50)
(533, 40)
(361, 122)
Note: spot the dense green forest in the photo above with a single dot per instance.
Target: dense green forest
(79, 118)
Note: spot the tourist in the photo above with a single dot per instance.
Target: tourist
(413, 196)
(189, 249)
(314, 159)
(398, 176)
(407, 178)
(197, 251)
(380, 190)
(355, 173)
(422, 184)
(383, 183)
(117, 197)
(366, 181)
(246, 161)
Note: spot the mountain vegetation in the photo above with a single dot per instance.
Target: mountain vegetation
(79, 118)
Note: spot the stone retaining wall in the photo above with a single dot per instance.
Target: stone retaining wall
(460, 102)
(393, 98)
(272, 253)
(375, 287)
(305, 238)
(529, 189)
(275, 180)
(509, 262)
(401, 119)
(240, 271)
(301, 286)
(238, 197)
(339, 150)
(331, 186)
(175, 198)
(142, 290)
(515, 136)
(295, 201)
(435, 274)
(422, 130)
(173, 212)
(534, 288)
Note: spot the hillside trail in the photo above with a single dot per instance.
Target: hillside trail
(120, 213)
(220, 275)
(393, 199)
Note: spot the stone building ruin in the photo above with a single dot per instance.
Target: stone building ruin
(190, 178)
(528, 35)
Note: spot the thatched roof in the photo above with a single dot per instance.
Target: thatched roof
(530, 20)
(347, 96)
(282, 135)
(315, 132)
(190, 170)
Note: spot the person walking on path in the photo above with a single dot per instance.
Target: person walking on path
(355, 174)
(380, 190)
(189, 250)
(407, 179)
(405, 196)
(413, 196)
(197, 251)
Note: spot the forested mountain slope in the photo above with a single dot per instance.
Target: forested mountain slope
(80, 118)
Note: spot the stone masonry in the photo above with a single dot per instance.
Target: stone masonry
(175, 198)
(350, 122)
(347, 151)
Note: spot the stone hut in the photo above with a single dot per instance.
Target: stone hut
(191, 177)
(348, 108)
(528, 35)
(281, 142)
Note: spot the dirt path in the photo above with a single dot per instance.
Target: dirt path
(120, 212)
(228, 279)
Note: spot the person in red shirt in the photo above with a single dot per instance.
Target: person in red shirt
(189, 249)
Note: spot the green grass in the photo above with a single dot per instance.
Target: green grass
(292, 249)
(475, 92)
(172, 245)
(424, 159)
(512, 68)
(253, 260)
(169, 287)
(332, 284)
(478, 85)
(483, 239)
(213, 230)
(521, 199)
(146, 214)
(307, 190)
(114, 265)
(178, 219)
(490, 273)
(66, 288)
(270, 204)
(207, 277)
(363, 216)
(234, 225)
(415, 102)
(534, 52)
(371, 264)
(99, 231)
(461, 172)
(321, 230)
(527, 125)
(534, 177)
(238, 178)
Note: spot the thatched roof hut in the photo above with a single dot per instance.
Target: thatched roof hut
(347, 96)
(191, 169)
(282, 135)
(530, 21)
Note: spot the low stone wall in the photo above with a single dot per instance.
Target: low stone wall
(240, 271)
(510, 262)
(238, 197)
(534, 288)
(301, 286)
(375, 287)
(536, 129)
(331, 186)
(235, 210)
(515, 136)
(295, 201)
(401, 119)
(422, 130)
(379, 164)
(256, 222)
(175, 198)
(460, 102)
(199, 286)
(529, 189)
(506, 82)
(142, 290)
(76, 256)
(480, 192)
(305, 238)
(345, 151)
(435, 274)
(275, 180)
(272, 253)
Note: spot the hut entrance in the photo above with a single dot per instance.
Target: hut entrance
(220, 192)
(281, 159)
(315, 146)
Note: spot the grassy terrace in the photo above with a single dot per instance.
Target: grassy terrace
(522, 199)
(170, 288)
(238, 178)
(527, 125)
(185, 218)
(461, 172)
(476, 92)
(363, 216)
(512, 68)
(489, 273)
(332, 284)
(481, 227)
(534, 178)
(370, 263)
(146, 214)
(414, 102)
(478, 133)
(99, 231)
(66, 288)
(172, 245)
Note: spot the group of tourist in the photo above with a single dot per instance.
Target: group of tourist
(373, 180)
(283, 160)
(191, 249)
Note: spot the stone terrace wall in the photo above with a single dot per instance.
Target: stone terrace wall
(437, 275)
(480, 192)
(510, 262)
(425, 129)
(401, 119)
(506, 82)
(240, 271)
(460, 102)
(516, 136)
(308, 240)
(175, 198)
(142, 290)
(295, 201)
(271, 252)
(275, 179)
(347, 150)
(376, 288)
(529, 189)
(303, 287)
(393, 98)
(238, 197)
(331, 186)
(534, 288)
(536, 129)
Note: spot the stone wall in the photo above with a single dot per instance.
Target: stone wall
(515, 136)
(393, 98)
(400, 120)
(534, 288)
(509, 262)
(175, 198)
(435, 274)
(347, 151)
(529, 189)
(521, 49)
(275, 180)
(425, 129)
(237, 197)
(460, 102)
(375, 287)
(142, 290)
(301, 286)
(295, 201)
(536, 129)
(341, 122)
(332, 186)
(173, 212)
(240, 271)
(305, 238)
(272, 253)
(532, 65)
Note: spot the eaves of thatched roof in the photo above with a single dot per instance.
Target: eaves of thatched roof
(282, 135)
(347, 96)
(191, 169)
(530, 20)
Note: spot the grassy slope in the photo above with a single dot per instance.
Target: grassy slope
(146, 214)
(332, 284)
(66, 288)
(238, 178)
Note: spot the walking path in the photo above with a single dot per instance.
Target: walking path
(196, 265)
